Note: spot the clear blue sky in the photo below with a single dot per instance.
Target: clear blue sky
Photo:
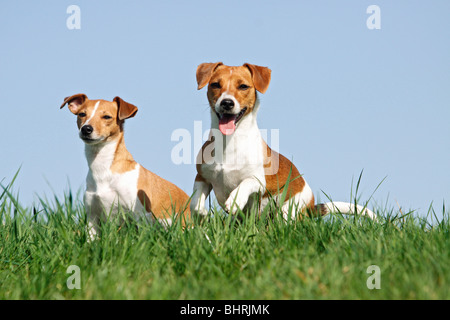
(344, 98)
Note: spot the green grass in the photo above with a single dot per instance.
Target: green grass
(316, 258)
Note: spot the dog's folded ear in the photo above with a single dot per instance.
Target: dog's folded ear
(126, 110)
(74, 102)
(260, 75)
(204, 73)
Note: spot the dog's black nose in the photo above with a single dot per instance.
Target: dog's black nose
(227, 104)
(86, 130)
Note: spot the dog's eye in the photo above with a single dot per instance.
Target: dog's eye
(82, 114)
(215, 85)
(106, 117)
(243, 87)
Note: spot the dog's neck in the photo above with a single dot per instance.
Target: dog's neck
(101, 157)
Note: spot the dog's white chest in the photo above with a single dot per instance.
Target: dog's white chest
(236, 158)
(225, 178)
(107, 191)
(113, 191)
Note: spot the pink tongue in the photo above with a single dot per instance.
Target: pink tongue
(226, 124)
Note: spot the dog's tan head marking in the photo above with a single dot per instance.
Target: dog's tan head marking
(126, 110)
(75, 101)
(99, 120)
(232, 90)
(205, 72)
(260, 76)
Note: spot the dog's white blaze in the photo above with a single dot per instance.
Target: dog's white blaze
(229, 82)
(93, 113)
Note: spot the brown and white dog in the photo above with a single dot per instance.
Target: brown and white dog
(236, 162)
(114, 179)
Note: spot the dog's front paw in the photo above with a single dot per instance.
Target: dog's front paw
(235, 202)
(199, 214)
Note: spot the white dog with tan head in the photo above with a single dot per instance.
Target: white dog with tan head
(114, 179)
(236, 162)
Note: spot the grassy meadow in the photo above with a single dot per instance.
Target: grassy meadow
(221, 258)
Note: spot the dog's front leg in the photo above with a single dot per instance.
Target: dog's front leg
(201, 192)
(92, 205)
(238, 198)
